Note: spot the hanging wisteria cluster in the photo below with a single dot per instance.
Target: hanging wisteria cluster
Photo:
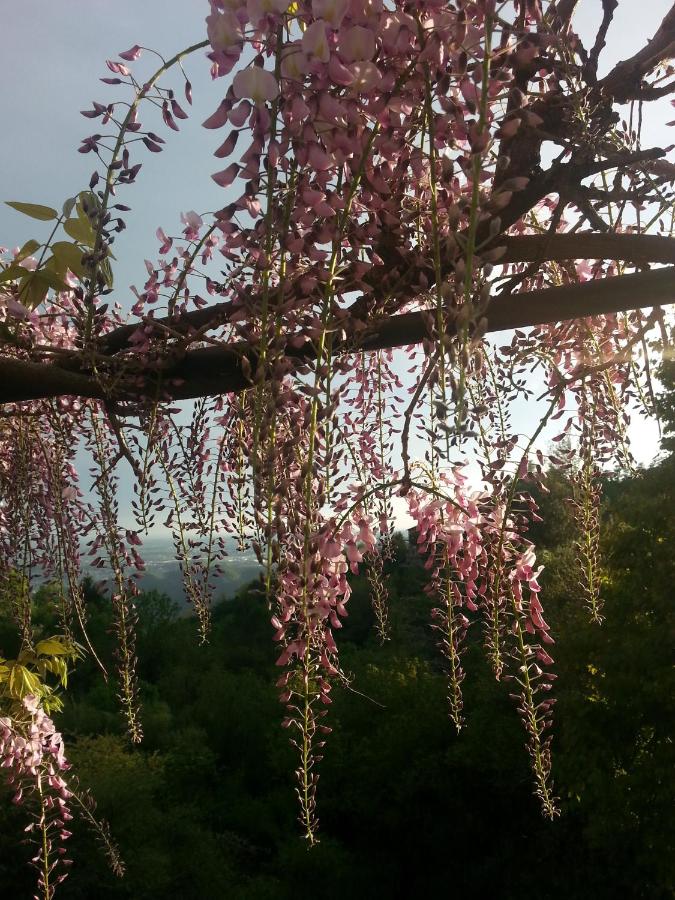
(32, 754)
(410, 174)
(33, 760)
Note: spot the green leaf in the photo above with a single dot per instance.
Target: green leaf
(11, 273)
(80, 230)
(53, 647)
(88, 197)
(56, 666)
(34, 210)
(68, 206)
(67, 256)
(51, 704)
(28, 248)
(52, 280)
(33, 288)
(22, 682)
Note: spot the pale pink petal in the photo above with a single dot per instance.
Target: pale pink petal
(357, 43)
(255, 83)
(315, 41)
(333, 11)
(227, 176)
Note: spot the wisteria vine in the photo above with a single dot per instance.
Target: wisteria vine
(380, 184)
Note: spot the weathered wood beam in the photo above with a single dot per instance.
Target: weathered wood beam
(218, 370)
(635, 248)
(24, 380)
(640, 249)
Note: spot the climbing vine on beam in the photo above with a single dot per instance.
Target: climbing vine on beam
(427, 217)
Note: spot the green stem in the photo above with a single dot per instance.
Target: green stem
(110, 174)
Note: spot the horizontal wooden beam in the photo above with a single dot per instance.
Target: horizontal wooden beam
(640, 249)
(21, 379)
(218, 370)
(635, 248)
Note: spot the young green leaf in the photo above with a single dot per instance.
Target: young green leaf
(33, 288)
(54, 646)
(81, 231)
(27, 250)
(67, 256)
(34, 210)
(68, 206)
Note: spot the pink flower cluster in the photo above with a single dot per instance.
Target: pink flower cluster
(450, 535)
(312, 593)
(480, 563)
(32, 755)
(372, 162)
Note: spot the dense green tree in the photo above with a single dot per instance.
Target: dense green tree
(205, 807)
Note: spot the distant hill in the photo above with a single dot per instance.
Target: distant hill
(163, 571)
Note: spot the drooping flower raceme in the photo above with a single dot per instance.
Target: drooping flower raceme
(33, 761)
(379, 184)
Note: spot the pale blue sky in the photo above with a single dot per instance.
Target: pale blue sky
(52, 56)
(52, 53)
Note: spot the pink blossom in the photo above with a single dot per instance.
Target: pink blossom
(165, 241)
(398, 29)
(258, 9)
(333, 11)
(224, 30)
(227, 176)
(193, 222)
(366, 535)
(295, 648)
(352, 552)
(240, 113)
(256, 83)
(315, 41)
(362, 10)
(14, 308)
(29, 263)
(339, 73)
(366, 76)
(356, 43)
(227, 146)
(294, 62)
(131, 54)
(219, 117)
(32, 753)
(117, 68)
(318, 158)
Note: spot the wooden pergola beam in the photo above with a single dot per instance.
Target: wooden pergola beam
(213, 370)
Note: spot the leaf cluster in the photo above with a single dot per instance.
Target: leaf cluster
(27, 674)
(59, 257)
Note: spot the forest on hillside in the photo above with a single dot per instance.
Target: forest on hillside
(206, 807)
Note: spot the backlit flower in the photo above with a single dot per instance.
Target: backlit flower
(315, 42)
(333, 11)
(258, 9)
(223, 30)
(256, 83)
(193, 222)
(357, 43)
